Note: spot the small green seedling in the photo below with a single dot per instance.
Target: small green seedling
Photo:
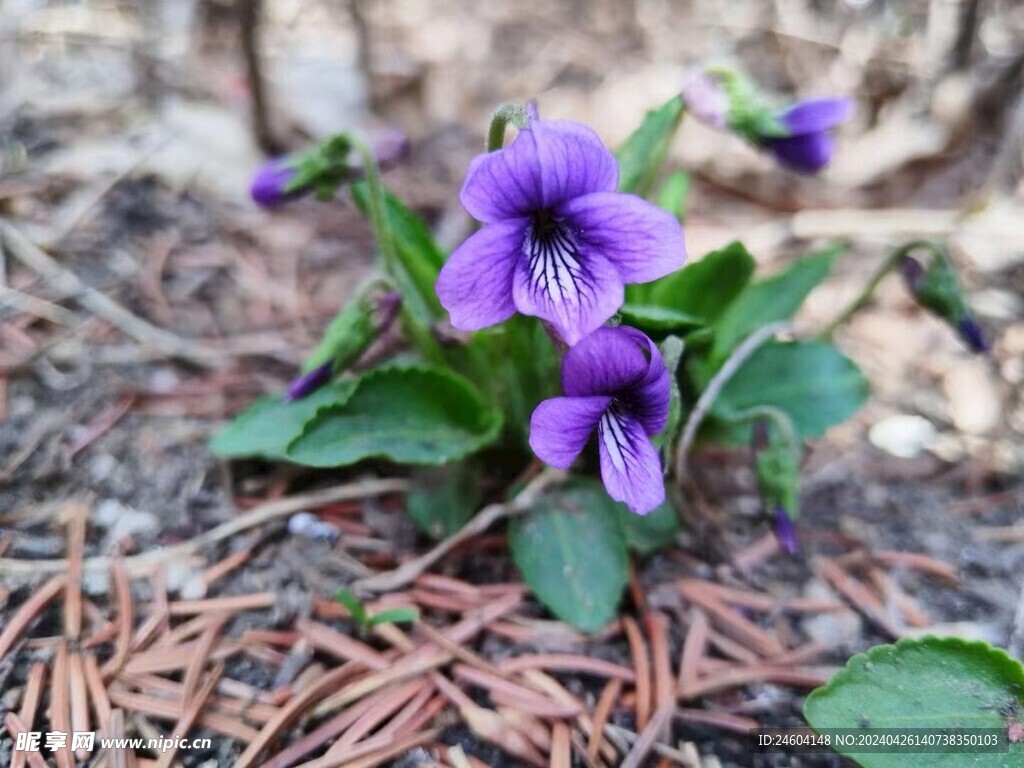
(366, 621)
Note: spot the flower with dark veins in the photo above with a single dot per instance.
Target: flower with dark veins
(558, 241)
(615, 382)
(808, 144)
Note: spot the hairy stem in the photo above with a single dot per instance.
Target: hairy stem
(886, 267)
(775, 415)
(501, 118)
(739, 356)
(377, 208)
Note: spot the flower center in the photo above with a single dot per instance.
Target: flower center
(554, 260)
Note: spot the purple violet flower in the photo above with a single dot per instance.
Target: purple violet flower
(808, 144)
(558, 241)
(310, 382)
(616, 382)
(270, 184)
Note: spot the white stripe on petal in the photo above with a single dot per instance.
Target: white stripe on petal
(615, 441)
(556, 268)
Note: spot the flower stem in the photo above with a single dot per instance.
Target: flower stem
(378, 215)
(707, 398)
(886, 267)
(419, 332)
(501, 118)
(777, 416)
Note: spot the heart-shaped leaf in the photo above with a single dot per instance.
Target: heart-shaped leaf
(412, 414)
(769, 300)
(815, 384)
(572, 553)
(443, 499)
(932, 682)
(267, 426)
(651, 532)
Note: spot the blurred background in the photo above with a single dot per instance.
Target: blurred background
(129, 133)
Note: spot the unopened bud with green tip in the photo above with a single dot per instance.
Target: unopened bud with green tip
(777, 469)
(798, 136)
(935, 287)
(324, 168)
(346, 338)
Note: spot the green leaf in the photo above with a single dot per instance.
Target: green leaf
(643, 154)
(706, 287)
(932, 682)
(352, 604)
(649, 533)
(443, 499)
(657, 321)
(811, 381)
(413, 414)
(420, 257)
(767, 301)
(394, 616)
(572, 553)
(267, 426)
(674, 195)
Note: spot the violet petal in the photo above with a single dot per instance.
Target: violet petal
(547, 164)
(561, 426)
(630, 466)
(642, 241)
(475, 284)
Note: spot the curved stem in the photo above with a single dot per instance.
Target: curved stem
(777, 416)
(378, 216)
(419, 332)
(739, 356)
(887, 266)
(501, 118)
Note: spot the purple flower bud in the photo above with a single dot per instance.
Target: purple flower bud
(972, 335)
(308, 383)
(387, 306)
(390, 147)
(705, 98)
(809, 144)
(912, 272)
(270, 184)
(786, 533)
